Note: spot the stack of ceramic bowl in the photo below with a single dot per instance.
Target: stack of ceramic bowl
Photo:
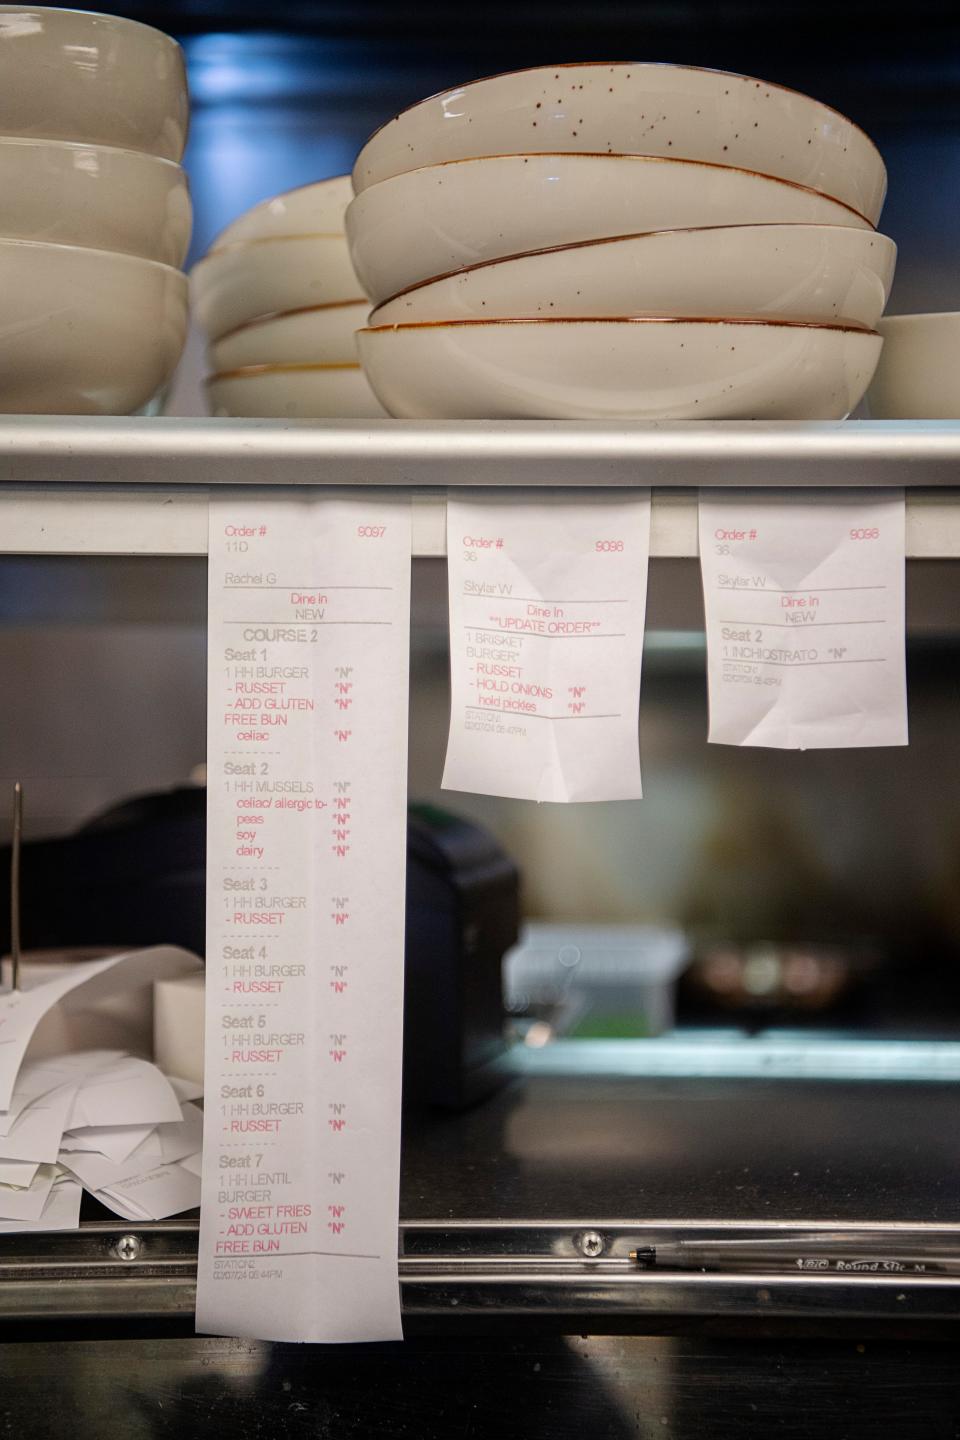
(281, 305)
(620, 241)
(95, 212)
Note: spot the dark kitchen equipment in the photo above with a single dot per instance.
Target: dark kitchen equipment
(136, 875)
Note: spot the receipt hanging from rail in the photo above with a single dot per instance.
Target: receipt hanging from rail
(804, 598)
(547, 602)
(309, 610)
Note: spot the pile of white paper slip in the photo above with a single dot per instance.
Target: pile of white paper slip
(109, 1123)
(92, 1119)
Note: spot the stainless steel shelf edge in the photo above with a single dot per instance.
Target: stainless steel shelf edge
(414, 454)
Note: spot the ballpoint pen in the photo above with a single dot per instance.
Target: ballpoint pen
(801, 1254)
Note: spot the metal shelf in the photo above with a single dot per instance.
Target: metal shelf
(140, 486)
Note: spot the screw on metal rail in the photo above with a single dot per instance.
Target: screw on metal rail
(128, 1247)
(591, 1244)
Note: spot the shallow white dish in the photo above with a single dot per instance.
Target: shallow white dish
(309, 210)
(85, 332)
(318, 334)
(670, 110)
(800, 272)
(918, 377)
(294, 392)
(96, 197)
(73, 75)
(267, 277)
(427, 222)
(636, 369)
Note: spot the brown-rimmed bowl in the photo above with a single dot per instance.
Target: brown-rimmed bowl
(619, 369)
(427, 222)
(640, 109)
(799, 272)
(294, 392)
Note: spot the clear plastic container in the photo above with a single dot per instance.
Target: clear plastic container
(596, 980)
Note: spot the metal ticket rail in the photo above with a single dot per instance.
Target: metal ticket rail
(111, 1270)
(93, 486)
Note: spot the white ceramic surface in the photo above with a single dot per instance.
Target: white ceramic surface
(269, 277)
(918, 377)
(636, 109)
(800, 272)
(73, 75)
(96, 197)
(635, 369)
(319, 334)
(294, 392)
(309, 210)
(423, 224)
(85, 332)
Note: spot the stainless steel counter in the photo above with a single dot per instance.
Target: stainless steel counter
(463, 1388)
(529, 1207)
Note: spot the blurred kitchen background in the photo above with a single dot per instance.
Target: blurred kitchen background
(816, 889)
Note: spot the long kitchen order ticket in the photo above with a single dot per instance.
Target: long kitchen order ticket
(309, 604)
(547, 602)
(804, 599)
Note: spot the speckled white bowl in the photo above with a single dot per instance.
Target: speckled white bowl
(99, 79)
(427, 222)
(310, 210)
(800, 272)
(638, 109)
(918, 377)
(268, 277)
(294, 392)
(94, 196)
(86, 332)
(619, 369)
(319, 334)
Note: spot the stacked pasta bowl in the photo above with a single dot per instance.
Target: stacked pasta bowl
(620, 241)
(95, 212)
(281, 305)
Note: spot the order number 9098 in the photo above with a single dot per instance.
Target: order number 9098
(604, 545)
(371, 532)
(871, 533)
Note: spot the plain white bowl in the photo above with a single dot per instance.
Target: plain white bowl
(427, 222)
(294, 392)
(625, 369)
(918, 377)
(310, 210)
(319, 334)
(669, 110)
(268, 277)
(800, 272)
(85, 332)
(96, 197)
(73, 75)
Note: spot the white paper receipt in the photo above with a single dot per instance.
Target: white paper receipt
(804, 598)
(547, 602)
(309, 618)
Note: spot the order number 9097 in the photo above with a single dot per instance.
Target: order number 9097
(371, 532)
(604, 545)
(871, 533)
